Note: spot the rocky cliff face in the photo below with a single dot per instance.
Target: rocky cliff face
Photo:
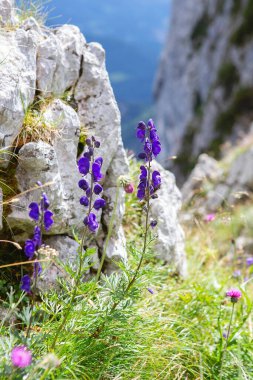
(204, 87)
(55, 92)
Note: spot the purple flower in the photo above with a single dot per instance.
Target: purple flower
(234, 294)
(88, 192)
(88, 142)
(144, 172)
(34, 212)
(84, 165)
(97, 175)
(91, 222)
(98, 188)
(29, 248)
(249, 261)
(150, 290)
(26, 283)
(83, 184)
(99, 203)
(37, 239)
(148, 149)
(156, 147)
(44, 202)
(237, 273)
(37, 269)
(99, 161)
(129, 188)
(141, 130)
(21, 357)
(48, 221)
(156, 179)
(142, 156)
(209, 218)
(97, 144)
(153, 223)
(84, 201)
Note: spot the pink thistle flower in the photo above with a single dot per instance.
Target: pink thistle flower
(129, 188)
(21, 357)
(209, 218)
(234, 294)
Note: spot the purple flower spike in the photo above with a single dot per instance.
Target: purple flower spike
(97, 175)
(35, 211)
(29, 249)
(234, 294)
(98, 189)
(26, 283)
(99, 203)
(249, 261)
(91, 222)
(84, 165)
(84, 201)
(44, 202)
(48, 221)
(83, 184)
(21, 357)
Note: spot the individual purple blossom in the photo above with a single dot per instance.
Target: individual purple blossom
(141, 130)
(209, 218)
(156, 179)
(29, 248)
(153, 223)
(48, 221)
(37, 238)
(84, 201)
(84, 165)
(83, 184)
(151, 291)
(129, 188)
(91, 222)
(97, 144)
(26, 283)
(97, 175)
(34, 211)
(234, 294)
(44, 202)
(21, 357)
(99, 203)
(249, 261)
(98, 189)
(156, 148)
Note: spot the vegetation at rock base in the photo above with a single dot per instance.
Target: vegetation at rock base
(228, 77)
(245, 30)
(174, 329)
(199, 31)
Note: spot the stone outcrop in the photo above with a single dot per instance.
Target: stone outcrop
(204, 84)
(169, 246)
(215, 184)
(54, 92)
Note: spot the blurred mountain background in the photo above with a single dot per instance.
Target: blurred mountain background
(133, 34)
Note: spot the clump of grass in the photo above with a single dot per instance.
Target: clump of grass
(228, 77)
(242, 104)
(244, 32)
(200, 30)
(33, 8)
(35, 127)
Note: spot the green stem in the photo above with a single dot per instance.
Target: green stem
(132, 281)
(227, 338)
(109, 234)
